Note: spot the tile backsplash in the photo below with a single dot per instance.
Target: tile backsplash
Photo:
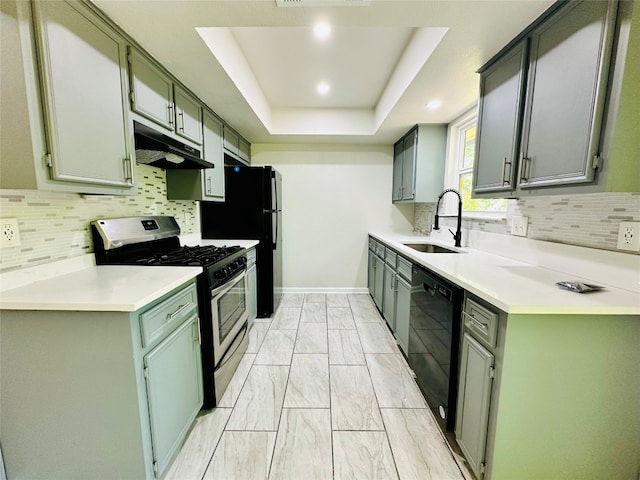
(54, 226)
(589, 220)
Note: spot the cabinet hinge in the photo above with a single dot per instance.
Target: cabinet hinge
(129, 58)
(145, 372)
(483, 467)
(597, 162)
(492, 372)
(155, 469)
(132, 96)
(48, 161)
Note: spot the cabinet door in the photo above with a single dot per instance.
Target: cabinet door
(476, 369)
(151, 91)
(566, 92)
(371, 274)
(398, 156)
(82, 64)
(188, 115)
(403, 308)
(231, 140)
(409, 166)
(389, 297)
(499, 122)
(174, 391)
(244, 150)
(378, 288)
(213, 177)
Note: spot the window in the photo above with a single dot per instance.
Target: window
(461, 145)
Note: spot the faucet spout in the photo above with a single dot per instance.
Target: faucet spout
(458, 235)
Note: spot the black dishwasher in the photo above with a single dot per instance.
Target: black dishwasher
(434, 342)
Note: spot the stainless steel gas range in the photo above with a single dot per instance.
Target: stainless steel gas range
(222, 287)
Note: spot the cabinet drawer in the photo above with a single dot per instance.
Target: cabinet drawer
(404, 268)
(380, 250)
(159, 321)
(390, 257)
(481, 321)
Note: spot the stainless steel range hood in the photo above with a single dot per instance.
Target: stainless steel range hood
(159, 150)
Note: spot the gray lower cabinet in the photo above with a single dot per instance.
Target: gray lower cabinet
(542, 103)
(113, 394)
(474, 395)
(252, 284)
(375, 278)
(378, 292)
(403, 310)
(478, 351)
(174, 391)
(389, 296)
(418, 164)
(205, 184)
(64, 106)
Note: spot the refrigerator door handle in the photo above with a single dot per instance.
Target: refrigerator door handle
(274, 193)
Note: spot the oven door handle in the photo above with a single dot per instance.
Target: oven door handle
(228, 285)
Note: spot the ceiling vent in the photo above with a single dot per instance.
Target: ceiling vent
(323, 3)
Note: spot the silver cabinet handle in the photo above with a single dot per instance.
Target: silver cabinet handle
(506, 180)
(170, 107)
(393, 279)
(128, 170)
(180, 310)
(525, 169)
(181, 116)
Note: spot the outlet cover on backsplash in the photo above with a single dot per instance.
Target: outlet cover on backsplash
(519, 226)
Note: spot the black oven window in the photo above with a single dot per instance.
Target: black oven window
(230, 308)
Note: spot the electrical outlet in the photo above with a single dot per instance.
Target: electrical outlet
(629, 236)
(519, 226)
(10, 234)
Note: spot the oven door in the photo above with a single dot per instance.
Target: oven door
(229, 312)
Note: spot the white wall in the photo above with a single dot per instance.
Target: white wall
(332, 196)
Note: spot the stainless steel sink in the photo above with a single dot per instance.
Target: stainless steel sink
(429, 248)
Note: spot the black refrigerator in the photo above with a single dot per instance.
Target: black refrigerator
(252, 210)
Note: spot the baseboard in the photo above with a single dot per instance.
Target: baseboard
(352, 290)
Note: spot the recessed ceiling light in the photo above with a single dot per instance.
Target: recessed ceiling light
(322, 30)
(323, 88)
(434, 104)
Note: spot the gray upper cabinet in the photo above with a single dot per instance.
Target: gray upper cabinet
(569, 65)
(206, 184)
(398, 159)
(151, 90)
(418, 164)
(542, 103)
(499, 120)
(155, 96)
(83, 83)
(188, 115)
(236, 147)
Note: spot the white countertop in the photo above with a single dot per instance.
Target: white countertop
(513, 286)
(78, 284)
(107, 288)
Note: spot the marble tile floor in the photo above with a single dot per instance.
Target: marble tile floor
(322, 393)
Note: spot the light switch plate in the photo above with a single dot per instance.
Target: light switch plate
(519, 226)
(10, 236)
(629, 236)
